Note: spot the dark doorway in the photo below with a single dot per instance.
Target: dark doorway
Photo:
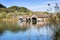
(34, 20)
(28, 20)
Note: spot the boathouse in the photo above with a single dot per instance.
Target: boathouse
(34, 17)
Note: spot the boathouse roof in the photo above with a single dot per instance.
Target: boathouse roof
(42, 15)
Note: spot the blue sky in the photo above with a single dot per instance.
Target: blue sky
(34, 5)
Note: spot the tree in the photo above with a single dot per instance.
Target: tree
(57, 8)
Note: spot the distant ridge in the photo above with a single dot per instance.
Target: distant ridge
(2, 6)
(13, 9)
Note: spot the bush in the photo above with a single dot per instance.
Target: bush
(9, 15)
(2, 15)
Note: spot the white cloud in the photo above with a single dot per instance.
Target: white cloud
(43, 6)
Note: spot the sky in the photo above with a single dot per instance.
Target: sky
(34, 5)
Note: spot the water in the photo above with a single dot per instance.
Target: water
(26, 31)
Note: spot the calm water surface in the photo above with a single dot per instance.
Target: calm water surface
(26, 31)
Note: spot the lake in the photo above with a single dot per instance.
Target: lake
(27, 31)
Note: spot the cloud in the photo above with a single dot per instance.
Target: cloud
(43, 6)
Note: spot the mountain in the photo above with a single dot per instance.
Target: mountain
(2, 6)
(23, 9)
(20, 9)
(13, 9)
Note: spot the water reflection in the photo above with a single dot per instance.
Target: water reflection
(27, 31)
